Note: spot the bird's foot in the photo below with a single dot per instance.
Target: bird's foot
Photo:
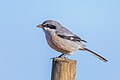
(61, 56)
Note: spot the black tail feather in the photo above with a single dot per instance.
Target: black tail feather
(96, 55)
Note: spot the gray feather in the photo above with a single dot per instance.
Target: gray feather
(66, 34)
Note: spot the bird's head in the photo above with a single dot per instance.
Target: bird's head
(49, 25)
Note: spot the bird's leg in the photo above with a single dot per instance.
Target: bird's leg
(62, 56)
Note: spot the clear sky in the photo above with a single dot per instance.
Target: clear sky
(25, 55)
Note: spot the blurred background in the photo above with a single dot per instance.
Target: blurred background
(25, 55)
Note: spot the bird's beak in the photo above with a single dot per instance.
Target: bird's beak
(40, 26)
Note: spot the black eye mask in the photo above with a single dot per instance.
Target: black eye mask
(51, 26)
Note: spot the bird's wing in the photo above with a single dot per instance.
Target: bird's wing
(66, 34)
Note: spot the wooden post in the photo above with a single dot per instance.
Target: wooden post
(63, 69)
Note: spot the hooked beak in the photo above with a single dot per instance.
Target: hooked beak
(40, 26)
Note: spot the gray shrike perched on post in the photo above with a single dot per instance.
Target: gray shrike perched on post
(63, 40)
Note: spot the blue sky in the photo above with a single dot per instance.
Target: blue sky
(25, 55)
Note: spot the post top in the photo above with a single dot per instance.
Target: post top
(63, 60)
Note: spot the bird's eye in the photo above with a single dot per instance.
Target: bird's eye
(51, 26)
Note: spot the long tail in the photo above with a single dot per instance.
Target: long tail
(96, 55)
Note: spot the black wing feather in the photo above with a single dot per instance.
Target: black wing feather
(72, 38)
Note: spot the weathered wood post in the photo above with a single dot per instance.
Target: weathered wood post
(63, 69)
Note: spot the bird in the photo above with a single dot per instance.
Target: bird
(63, 40)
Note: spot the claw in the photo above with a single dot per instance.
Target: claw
(61, 56)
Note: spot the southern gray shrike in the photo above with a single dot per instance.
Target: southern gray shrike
(63, 40)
